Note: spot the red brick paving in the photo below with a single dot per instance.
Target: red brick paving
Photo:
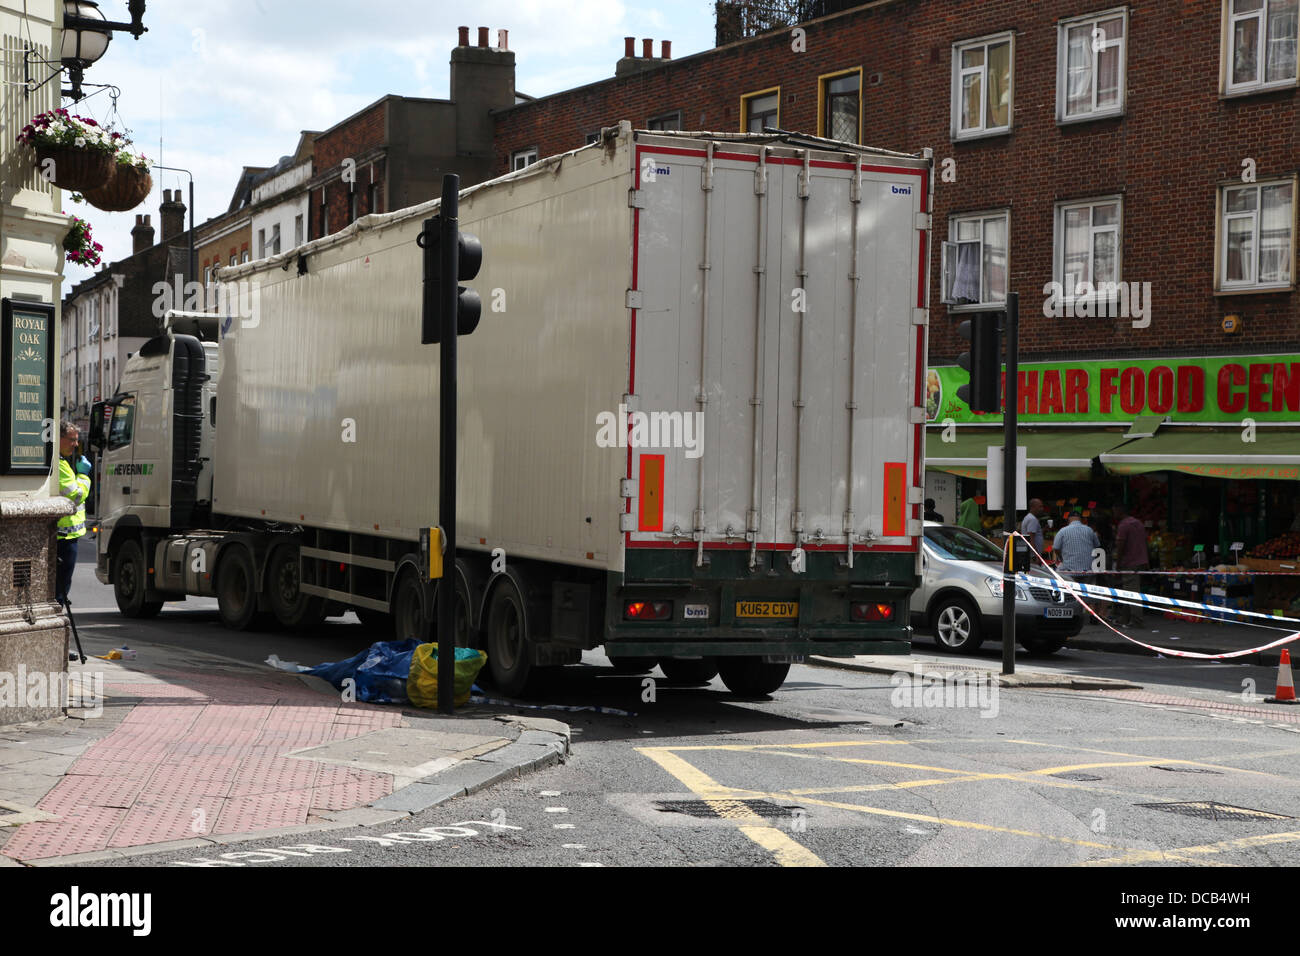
(205, 753)
(1239, 708)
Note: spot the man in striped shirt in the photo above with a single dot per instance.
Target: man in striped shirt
(1075, 544)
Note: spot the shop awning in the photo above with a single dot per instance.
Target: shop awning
(1058, 454)
(1212, 452)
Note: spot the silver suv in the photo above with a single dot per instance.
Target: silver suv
(960, 597)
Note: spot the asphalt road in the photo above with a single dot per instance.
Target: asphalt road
(837, 768)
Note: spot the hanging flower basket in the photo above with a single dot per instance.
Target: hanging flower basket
(80, 246)
(82, 152)
(129, 185)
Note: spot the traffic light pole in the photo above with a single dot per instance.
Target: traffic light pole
(1011, 390)
(448, 309)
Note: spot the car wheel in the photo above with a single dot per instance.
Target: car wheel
(957, 626)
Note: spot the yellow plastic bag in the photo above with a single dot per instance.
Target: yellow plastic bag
(422, 683)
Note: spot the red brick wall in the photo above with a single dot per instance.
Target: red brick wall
(1177, 141)
(349, 141)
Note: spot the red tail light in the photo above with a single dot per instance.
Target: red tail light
(871, 611)
(648, 610)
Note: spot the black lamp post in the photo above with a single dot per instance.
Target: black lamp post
(173, 169)
(86, 34)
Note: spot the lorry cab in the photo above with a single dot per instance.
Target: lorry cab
(155, 438)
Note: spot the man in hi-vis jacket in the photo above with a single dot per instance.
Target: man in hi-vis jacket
(74, 484)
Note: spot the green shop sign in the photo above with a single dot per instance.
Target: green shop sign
(27, 427)
(1265, 388)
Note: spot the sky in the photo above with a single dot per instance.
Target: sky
(231, 84)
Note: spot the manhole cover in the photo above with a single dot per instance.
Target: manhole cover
(715, 809)
(1210, 810)
(1217, 773)
(1077, 775)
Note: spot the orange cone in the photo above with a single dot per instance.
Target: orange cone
(1285, 683)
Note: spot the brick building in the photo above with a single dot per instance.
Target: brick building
(394, 152)
(1151, 146)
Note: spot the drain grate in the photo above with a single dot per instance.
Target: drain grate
(1077, 775)
(725, 809)
(1212, 810)
(1217, 773)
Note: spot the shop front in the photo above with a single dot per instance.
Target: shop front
(1205, 451)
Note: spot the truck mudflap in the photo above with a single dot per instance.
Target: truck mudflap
(672, 608)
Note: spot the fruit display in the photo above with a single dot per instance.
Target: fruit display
(1168, 548)
(1279, 549)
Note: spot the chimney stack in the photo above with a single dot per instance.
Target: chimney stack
(629, 47)
(483, 37)
(171, 214)
(141, 235)
(631, 63)
(462, 36)
(648, 49)
(667, 49)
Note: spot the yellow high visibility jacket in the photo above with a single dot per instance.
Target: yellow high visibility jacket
(76, 488)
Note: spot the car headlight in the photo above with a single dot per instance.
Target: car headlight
(995, 588)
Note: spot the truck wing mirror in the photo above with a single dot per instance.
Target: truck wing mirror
(99, 417)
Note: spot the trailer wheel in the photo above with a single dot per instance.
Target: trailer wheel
(752, 676)
(129, 579)
(236, 588)
(687, 671)
(292, 608)
(509, 656)
(408, 609)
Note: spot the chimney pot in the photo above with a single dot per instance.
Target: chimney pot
(648, 49)
(483, 37)
(503, 39)
(462, 36)
(668, 49)
(629, 46)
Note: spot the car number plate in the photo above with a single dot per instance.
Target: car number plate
(1059, 612)
(767, 609)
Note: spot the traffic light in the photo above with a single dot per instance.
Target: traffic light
(468, 258)
(983, 361)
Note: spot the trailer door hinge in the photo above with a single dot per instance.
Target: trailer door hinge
(627, 521)
(631, 403)
(920, 316)
(923, 220)
(915, 496)
(635, 299)
(916, 415)
(636, 199)
(627, 488)
(913, 528)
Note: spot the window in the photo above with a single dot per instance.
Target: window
(324, 214)
(1087, 247)
(593, 138)
(244, 256)
(372, 198)
(275, 239)
(981, 86)
(974, 264)
(233, 259)
(1255, 235)
(840, 106)
(261, 243)
(207, 276)
(1090, 65)
(297, 230)
(760, 109)
(666, 121)
(1260, 44)
(523, 157)
(119, 430)
(352, 203)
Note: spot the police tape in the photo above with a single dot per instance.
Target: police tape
(1135, 598)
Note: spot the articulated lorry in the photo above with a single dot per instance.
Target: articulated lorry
(690, 418)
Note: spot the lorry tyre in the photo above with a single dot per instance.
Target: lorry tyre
(293, 609)
(509, 653)
(689, 671)
(957, 626)
(633, 665)
(409, 620)
(752, 676)
(129, 579)
(236, 588)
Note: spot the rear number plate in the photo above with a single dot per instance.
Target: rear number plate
(768, 609)
(1059, 612)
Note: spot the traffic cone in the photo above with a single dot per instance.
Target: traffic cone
(1285, 684)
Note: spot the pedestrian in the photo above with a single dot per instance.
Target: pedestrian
(74, 484)
(930, 513)
(1129, 559)
(1031, 527)
(968, 515)
(1075, 545)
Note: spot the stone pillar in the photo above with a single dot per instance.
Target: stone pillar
(34, 632)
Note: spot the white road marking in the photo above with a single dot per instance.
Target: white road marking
(557, 809)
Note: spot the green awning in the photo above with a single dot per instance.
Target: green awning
(1212, 452)
(1057, 454)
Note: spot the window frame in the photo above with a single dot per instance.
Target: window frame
(1063, 28)
(1068, 296)
(523, 154)
(955, 131)
(1226, 87)
(1221, 284)
(114, 438)
(673, 115)
(982, 215)
(823, 84)
(747, 98)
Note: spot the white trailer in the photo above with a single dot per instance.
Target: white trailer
(690, 419)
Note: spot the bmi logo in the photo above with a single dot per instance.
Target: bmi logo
(901, 190)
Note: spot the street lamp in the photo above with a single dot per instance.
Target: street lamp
(173, 169)
(86, 34)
